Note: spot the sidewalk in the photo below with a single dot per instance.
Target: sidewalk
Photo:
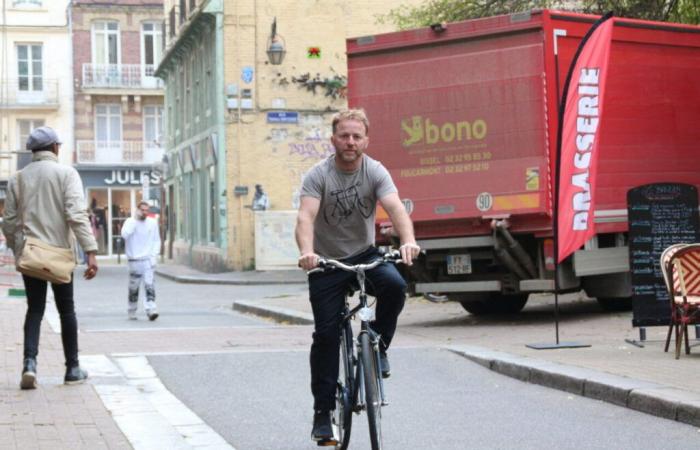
(53, 416)
(185, 274)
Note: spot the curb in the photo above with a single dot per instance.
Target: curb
(647, 397)
(199, 280)
(16, 292)
(280, 315)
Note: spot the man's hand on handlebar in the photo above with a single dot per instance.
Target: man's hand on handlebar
(308, 261)
(409, 252)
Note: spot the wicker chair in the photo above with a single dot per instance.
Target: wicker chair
(664, 264)
(681, 267)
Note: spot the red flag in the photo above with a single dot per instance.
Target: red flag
(580, 138)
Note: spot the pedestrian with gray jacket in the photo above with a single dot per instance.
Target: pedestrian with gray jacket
(53, 210)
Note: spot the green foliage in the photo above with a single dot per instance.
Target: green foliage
(436, 11)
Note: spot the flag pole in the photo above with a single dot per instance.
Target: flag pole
(557, 180)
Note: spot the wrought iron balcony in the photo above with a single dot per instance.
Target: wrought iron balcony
(135, 76)
(110, 153)
(43, 93)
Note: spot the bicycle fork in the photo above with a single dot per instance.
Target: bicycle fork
(374, 339)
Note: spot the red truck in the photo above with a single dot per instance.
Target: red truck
(464, 116)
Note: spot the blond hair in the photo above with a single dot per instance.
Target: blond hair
(351, 114)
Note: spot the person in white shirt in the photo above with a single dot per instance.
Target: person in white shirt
(142, 240)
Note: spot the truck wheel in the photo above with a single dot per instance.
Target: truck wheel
(491, 303)
(615, 303)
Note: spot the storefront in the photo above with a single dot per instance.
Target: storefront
(113, 196)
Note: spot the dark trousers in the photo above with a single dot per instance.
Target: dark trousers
(36, 304)
(327, 294)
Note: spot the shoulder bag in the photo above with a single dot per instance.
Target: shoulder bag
(39, 259)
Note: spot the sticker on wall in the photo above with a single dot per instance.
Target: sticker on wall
(313, 52)
(484, 201)
(247, 74)
(532, 178)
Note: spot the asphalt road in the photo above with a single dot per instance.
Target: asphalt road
(101, 304)
(439, 400)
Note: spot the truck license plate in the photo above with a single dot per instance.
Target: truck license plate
(458, 264)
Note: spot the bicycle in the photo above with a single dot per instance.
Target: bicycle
(360, 384)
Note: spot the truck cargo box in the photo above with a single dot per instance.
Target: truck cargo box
(466, 119)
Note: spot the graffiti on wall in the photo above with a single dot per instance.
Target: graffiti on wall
(301, 147)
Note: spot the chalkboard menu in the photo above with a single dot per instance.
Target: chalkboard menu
(660, 215)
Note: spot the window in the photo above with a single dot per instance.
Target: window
(171, 22)
(105, 43)
(213, 203)
(183, 11)
(152, 125)
(24, 127)
(151, 46)
(108, 123)
(26, 3)
(29, 67)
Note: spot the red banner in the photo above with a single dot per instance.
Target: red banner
(581, 123)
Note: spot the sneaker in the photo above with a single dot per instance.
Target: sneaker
(152, 315)
(28, 374)
(322, 431)
(75, 375)
(132, 315)
(384, 366)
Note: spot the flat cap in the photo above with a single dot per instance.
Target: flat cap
(42, 137)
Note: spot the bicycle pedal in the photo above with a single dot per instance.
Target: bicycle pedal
(327, 442)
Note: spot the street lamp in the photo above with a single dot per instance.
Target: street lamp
(275, 46)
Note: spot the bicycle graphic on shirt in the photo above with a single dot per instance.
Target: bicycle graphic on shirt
(346, 202)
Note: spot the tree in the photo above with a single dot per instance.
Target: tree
(436, 11)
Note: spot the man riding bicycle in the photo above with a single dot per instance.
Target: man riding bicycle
(346, 232)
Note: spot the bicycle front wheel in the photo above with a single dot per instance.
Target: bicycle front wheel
(372, 396)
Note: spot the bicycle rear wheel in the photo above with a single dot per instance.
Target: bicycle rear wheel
(342, 416)
(372, 396)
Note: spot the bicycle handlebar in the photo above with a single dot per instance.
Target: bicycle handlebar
(392, 256)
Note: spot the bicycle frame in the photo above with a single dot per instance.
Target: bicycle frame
(366, 315)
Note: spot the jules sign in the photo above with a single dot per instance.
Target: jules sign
(120, 177)
(132, 177)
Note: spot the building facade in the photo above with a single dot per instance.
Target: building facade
(36, 79)
(118, 109)
(236, 117)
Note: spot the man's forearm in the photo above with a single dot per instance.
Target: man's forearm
(304, 234)
(404, 228)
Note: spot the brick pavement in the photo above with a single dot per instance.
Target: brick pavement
(53, 416)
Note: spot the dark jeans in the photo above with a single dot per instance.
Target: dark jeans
(36, 303)
(327, 293)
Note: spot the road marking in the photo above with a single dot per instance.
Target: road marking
(149, 415)
(51, 313)
(304, 349)
(159, 327)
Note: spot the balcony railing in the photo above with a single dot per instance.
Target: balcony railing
(118, 153)
(139, 76)
(44, 94)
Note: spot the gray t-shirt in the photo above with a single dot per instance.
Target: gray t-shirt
(344, 225)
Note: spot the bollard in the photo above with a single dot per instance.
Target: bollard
(119, 249)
